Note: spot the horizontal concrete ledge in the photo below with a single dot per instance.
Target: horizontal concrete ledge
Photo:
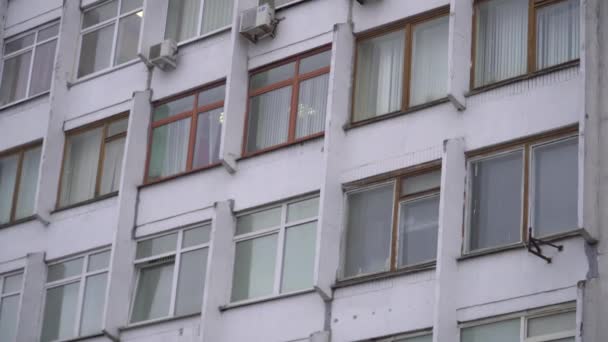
(156, 321)
(264, 300)
(427, 266)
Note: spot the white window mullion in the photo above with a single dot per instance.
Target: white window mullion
(280, 252)
(115, 38)
(176, 265)
(33, 58)
(523, 328)
(81, 290)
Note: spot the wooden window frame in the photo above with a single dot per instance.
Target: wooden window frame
(20, 151)
(105, 139)
(526, 146)
(193, 115)
(531, 67)
(407, 26)
(294, 82)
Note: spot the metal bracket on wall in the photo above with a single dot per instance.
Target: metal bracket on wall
(534, 246)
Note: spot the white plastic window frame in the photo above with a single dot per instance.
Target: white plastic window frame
(112, 21)
(199, 26)
(11, 294)
(81, 279)
(173, 257)
(280, 252)
(33, 48)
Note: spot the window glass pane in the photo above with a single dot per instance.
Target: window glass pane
(302, 210)
(153, 295)
(93, 304)
(28, 183)
(418, 224)
(496, 201)
(12, 283)
(315, 62)
(208, 138)
(555, 187)
(178, 106)
(258, 221)
(118, 127)
(98, 261)
(182, 19)
(80, 166)
(299, 257)
(42, 71)
(502, 40)
(506, 331)
(212, 95)
(420, 183)
(156, 246)
(558, 37)
(14, 78)
(60, 312)
(169, 149)
(191, 282)
(379, 82)
(368, 238)
(128, 38)
(100, 14)
(196, 236)
(266, 78)
(216, 14)
(130, 5)
(112, 166)
(8, 176)
(429, 80)
(548, 325)
(49, 32)
(9, 312)
(19, 44)
(268, 119)
(254, 268)
(96, 50)
(312, 106)
(425, 338)
(65, 270)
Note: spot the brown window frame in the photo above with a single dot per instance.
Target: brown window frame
(105, 139)
(531, 67)
(294, 82)
(193, 115)
(19, 150)
(406, 25)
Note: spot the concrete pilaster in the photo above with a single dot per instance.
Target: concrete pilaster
(459, 51)
(30, 315)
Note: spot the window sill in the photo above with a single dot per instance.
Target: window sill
(22, 101)
(82, 338)
(426, 266)
(281, 146)
(193, 40)
(19, 221)
(264, 300)
(157, 321)
(84, 203)
(103, 72)
(517, 79)
(179, 175)
(383, 117)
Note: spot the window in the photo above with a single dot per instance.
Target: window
(376, 240)
(287, 102)
(558, 326)
(28, 61)
(275, 250)
(92, 161)
(171, 274)
(18, 183)
(75, 297)
(10, 301)
(509, 43)
(402, 68)
(109, 35)
(186, 133)
(189, 18)
(534, 184)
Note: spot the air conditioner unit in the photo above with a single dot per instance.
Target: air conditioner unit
(163, 55)
(259, 22)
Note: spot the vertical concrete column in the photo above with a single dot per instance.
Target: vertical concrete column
(123, 250)
(30, 315)
(459, 51)
(453, 173)
(153, 26)
(219, 272)
(3, 14)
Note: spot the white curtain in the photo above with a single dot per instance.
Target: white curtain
(269, 119)
(429, 61)
(254, 267)
(558, 38)
(14, 78)
(93, 305)
(379, 80)
(208, 137)
(153, 294)
(170, 149)
(502, 40)
(28, 183)
(80, 167)
(8, 175)
(182, 19)
(112, 165)
(216, 14)
(42, 71)
(312, 106)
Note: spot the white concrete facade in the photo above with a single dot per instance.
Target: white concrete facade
(457, 289)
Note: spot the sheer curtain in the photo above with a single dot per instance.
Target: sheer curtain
(80, 167)
(429, 61)
(153, 295)
(216, 14)
(28, 183)
(379, 80)
(169, 149)
(14, 78)
(8, 175)
(558, 37)
(269, 119)
(112, 165)
(312, 106)
(502, 40)
(43, 68)
(182, 19)
(208, 138)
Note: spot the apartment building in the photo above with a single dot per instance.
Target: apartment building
(380, 170)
